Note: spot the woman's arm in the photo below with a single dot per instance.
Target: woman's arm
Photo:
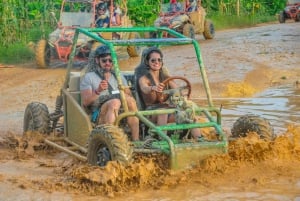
(145, 85)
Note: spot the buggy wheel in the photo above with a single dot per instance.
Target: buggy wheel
(36, 118)
(42, 54)
(189, 31)
(252, 123)
(109, 143)
(281, 17)
(209, 30)
(134, 51)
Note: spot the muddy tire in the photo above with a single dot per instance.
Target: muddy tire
(109, 143)
(36, 118)
(252, 123)
(281, 17)
(189, 31)
(134, 51)
(42, 54)
(209, 30)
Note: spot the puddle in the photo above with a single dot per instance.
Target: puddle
(280, 106)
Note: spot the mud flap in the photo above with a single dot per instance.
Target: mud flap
(188, 155)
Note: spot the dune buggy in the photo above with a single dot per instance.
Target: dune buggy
(73, 14)
(99, 144)
(291, 11)
(186, 20)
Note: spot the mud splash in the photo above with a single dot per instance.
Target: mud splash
(239, 89)
(243, 165)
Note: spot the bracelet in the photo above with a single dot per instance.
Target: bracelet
(97, 92)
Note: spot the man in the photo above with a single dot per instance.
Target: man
(99, 90)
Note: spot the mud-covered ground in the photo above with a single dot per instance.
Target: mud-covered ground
(239, 63)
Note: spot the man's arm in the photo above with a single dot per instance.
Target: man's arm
(88, 97)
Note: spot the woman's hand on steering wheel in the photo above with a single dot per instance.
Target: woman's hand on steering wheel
(163, 97)
(159, 88)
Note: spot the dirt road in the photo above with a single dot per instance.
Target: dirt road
(239, 64)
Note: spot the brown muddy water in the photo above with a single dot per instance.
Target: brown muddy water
(280, 105)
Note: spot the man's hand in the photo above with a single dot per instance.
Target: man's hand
(103, 85)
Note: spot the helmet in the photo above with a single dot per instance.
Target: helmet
(146, 53)
(101, 6)
(102, 50)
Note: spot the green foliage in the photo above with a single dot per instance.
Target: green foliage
(143, 13)
(244, 7)
(9, 26)
(18, 17)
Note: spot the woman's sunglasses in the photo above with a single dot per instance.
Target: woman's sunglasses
(156, 60)
(106, 60)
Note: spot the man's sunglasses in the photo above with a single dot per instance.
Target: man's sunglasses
(106, 60)
(156, 60)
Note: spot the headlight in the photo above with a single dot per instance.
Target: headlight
(287, 9)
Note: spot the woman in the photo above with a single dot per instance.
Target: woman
(115, 15)
(152, 82)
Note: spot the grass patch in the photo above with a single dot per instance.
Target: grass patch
(16, 53)
(229, 21)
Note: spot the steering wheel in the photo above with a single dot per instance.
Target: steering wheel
(161, 96)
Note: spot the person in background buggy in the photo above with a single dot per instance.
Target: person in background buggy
(102, 17)
(191, 6)
(175, 6)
